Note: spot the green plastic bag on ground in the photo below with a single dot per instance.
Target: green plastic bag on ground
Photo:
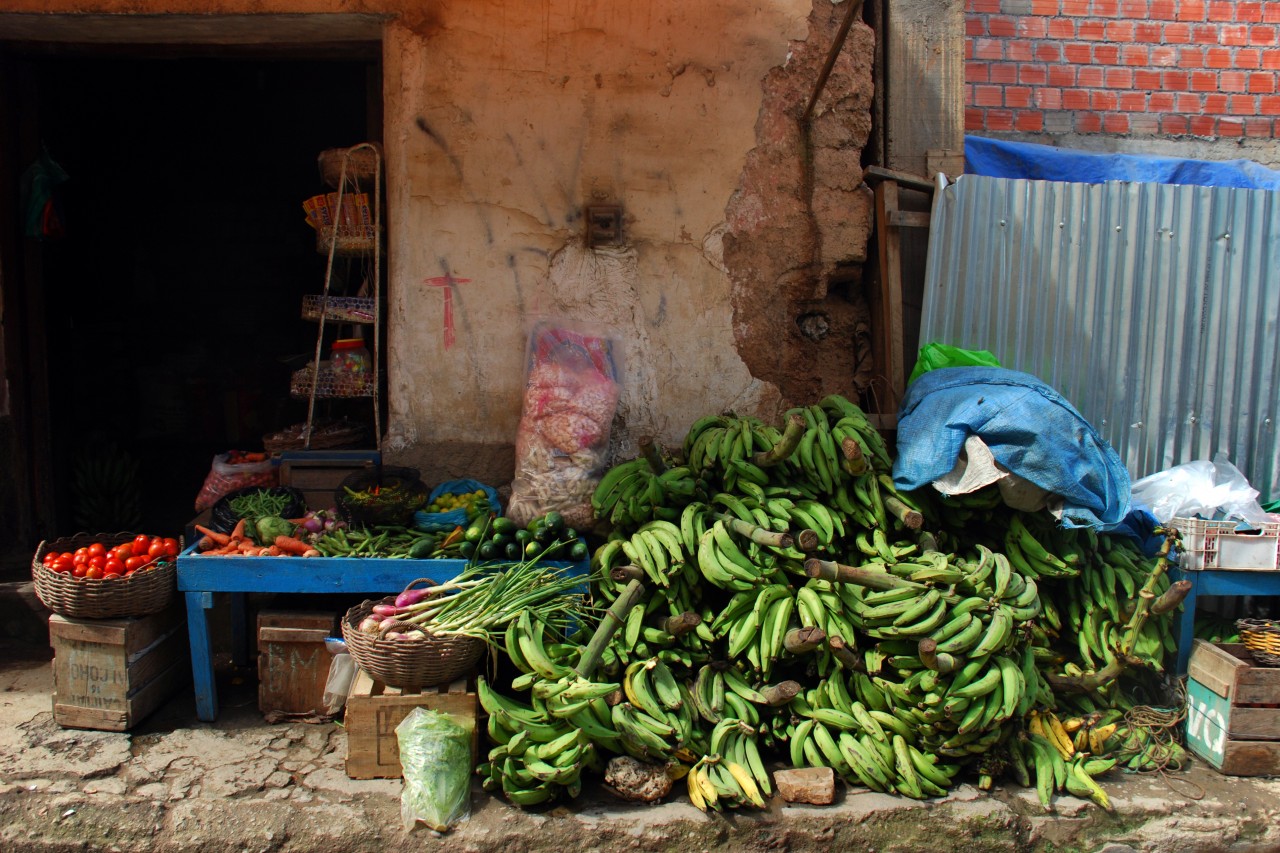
(435, 757)
(934, 355)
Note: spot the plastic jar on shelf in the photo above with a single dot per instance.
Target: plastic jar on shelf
(351, 365)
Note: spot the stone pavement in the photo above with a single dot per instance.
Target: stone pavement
(177, 785)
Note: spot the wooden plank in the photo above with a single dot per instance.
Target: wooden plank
(1254, 723)
(293, 635)
(132, 633)
(924, 81)
(886, 301)
(1251, 758)
(873, 175)
(374, 710)
(910, 219)
(1214, 667)
(104, 675)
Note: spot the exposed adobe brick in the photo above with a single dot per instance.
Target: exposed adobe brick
(1101, 99)
(1001, 26)
(1232, 81)
(1205, 34)
(1091, 30)
(1115, 123)
(1088, 76)
(1191, 10)
(1264, 36)
(1269, 105)
(1061, 28)
(1203, 125)
(1132, 102)
(977, 72)
(1258, 127)
(1248, 57)
(1048, 99)
(1077, 53)
(1062, 75)
(1204, 81)
(1075, 99)
(1190, 57)
(1147, 31)
(1029, 122)
(1233, 35)
(999, 120)
(1088, 123)
(1163, 56)
(1003, 72)
(987, 49)
(1147, 80)
(1018, 97)
(1221, 10)
(1118, 78)
(1271, 13)
(1133, 54)
(988, 96)
(1163, 10)
(1106, 8)
(1174, 81)
(1106, 54)
(1033, 75)
(1177, 34)
(1075, 8)
(1033, 28)
(1230, 127)
(1048, 51)
(1135, 10)
(1174, 125)
(1243, 105)
(1118, 30)
(1144, 124)
(1160, 102)
(974, 26)
(1215, 103)
(1018, 50)
(1185, 102)
(1217, 57)
(973, 119)
(1271, 60)
(1262, 84)
(1248, 12)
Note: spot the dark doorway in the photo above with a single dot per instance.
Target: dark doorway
(170, 315)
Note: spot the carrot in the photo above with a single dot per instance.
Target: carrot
(290, 545)
(274, 551)
(237, 532)
(214, 536)
(205, 544)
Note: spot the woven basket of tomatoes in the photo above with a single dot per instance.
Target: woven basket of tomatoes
(106, 575)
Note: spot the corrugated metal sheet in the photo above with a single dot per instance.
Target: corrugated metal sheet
(1152, 308)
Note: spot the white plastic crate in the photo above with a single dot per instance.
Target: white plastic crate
(1218, 545)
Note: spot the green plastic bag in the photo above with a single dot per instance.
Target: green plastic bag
(435, 755)
(935, 355)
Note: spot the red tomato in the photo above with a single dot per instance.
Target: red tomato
(97, 548)
(80, 559)
(92, 573)
(124, 551)
(80, 551)
(97, 561)
(132, 564)
(171, 547)
(63, 564)
(51, 557)
(113, 567)
(157, 549)
(141, 543)
(80, 570)
(111, 575)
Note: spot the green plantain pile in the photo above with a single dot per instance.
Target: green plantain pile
(773, 600)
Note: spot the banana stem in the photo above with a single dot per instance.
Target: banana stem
(908, 516)
(649, 450)
(843, 653)
(940, 663)
(1147, 595)
(829, 570)
(682, 624)
(798, 641)
(756, 534)
(626, 574)
(807, 540)
(855, 462)
(791, 435)
(1089, 681)
(613, 619)
(1172, 597)
(781, 693)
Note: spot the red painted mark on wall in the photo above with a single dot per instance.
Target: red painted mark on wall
(447, 282)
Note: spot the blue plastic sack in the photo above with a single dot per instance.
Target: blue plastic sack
(1030, 429)
(438, 522)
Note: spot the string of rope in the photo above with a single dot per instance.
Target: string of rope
(1163, 750)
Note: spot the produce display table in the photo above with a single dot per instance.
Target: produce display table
(1216, 582)
(200, 577)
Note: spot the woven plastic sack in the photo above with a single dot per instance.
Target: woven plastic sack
(226, 477)
(438, 522)
(435, 756)
(934, 355)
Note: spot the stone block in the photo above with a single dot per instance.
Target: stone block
(813, 785)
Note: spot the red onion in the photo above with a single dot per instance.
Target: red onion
(411, 596)
(385, 610)
(370, 625)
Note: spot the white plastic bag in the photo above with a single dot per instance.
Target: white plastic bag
(1202, 488)
(342, 671)
(435, 756)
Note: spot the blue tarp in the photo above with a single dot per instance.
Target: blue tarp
(1028, 426)
(999, 158)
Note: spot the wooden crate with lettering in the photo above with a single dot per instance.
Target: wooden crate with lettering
(108, 674)
(293, 663)
(374, 710)
(1233, 710)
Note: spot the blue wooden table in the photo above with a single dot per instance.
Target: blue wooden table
(200, 577)
(1216, 582)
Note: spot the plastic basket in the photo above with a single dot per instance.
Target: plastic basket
(351, 240)
(405, 663)
(330, 384)
(223, 518)
(325, 435)
(406, 494)
(362, 163)
(346, 309)
(139, 594)
(1262, 638)
(437, 522)
(1219, 545)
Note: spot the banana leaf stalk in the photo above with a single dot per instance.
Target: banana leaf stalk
(612, 620)
(755, 533)
(791, 435)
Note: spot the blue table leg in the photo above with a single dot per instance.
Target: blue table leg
(1186, 624)
(202, 655)
(239, 629)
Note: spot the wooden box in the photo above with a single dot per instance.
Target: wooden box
(293, 663)
(1233, 710)
(318, 473)
(110, 673)
(374, 710)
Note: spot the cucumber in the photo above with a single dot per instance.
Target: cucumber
(466, 549)
(554, 520)
(579, 551)
(421, 549)
(514, 550)
(504, 525)
(488, 550)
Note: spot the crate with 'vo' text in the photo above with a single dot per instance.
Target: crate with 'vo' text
(108, 674)
(1228, 546)
(374, 710)
(1233, 710)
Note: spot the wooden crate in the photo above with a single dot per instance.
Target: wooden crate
(374, 710)
(293, 663)
(108, 674)
(1233, 710)
(318, 473)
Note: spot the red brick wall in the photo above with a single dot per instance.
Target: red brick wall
(1203, 68)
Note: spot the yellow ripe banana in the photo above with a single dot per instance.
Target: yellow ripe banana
(1058, 736)
(695, 791)
(1098, 737)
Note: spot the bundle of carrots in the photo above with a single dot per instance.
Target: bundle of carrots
(239, 544)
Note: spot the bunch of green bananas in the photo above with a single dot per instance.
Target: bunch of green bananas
(732, 774)
(632, 492)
